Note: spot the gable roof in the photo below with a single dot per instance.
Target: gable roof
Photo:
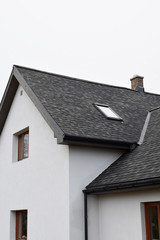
(67, 104)
(139, 168)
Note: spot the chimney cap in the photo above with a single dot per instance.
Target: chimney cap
(136, 76)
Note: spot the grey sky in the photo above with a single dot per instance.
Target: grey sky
(100, 40)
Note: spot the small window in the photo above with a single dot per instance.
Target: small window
(21, 225)
(108, 112)
(23, 145)
(152, 214)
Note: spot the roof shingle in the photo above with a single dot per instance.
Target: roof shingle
(70, 102)
(140, 164)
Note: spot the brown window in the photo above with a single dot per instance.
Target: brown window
(152, 214)
(21, 225)
(23, 145)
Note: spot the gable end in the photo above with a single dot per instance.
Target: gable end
(7, 100)
(16, 79)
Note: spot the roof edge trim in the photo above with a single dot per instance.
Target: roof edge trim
(125, 186)
(81, 79)
(53, 125)
(144, 130)
(15, 79)
(7, 99)
(78, 140)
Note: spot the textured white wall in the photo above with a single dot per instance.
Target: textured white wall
(120, 215)
(39, 183)
(85, 164)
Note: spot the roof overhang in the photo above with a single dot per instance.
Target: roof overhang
(77, 140)
(7, 99)
(17, 79)
(143, 184)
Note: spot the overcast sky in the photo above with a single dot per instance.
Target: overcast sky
(100, 40)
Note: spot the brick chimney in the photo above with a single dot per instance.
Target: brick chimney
(137, 83)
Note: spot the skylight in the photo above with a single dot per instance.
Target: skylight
(108, 112)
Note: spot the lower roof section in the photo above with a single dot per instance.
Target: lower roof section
(135, 169)
(141, 184)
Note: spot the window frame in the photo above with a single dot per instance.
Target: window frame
(147, 224)
(115, 117)
(21, 223)
(22, 147)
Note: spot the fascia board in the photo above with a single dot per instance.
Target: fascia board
(78, 140)
(125, 186)
(59, 134)
(7, 99)
(15, 79)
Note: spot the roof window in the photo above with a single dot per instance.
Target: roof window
(108, 112)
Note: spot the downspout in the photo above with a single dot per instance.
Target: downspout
(85, 216)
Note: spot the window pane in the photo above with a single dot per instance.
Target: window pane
(153, 223)
(19, 224)
(24, 224)
(26, 140)
(20, 148)
(108, 112)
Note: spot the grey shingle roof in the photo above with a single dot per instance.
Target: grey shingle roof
(70, 101)
(67, 104)
(140, 165)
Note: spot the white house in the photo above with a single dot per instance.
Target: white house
(78, 160)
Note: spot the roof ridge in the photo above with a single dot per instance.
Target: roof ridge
(80, 79)
(71, 78)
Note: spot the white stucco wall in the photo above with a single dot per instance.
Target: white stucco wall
(120, 215)
(85, 163)
(39, 183)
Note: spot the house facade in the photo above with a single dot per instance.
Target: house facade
(68, 171)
